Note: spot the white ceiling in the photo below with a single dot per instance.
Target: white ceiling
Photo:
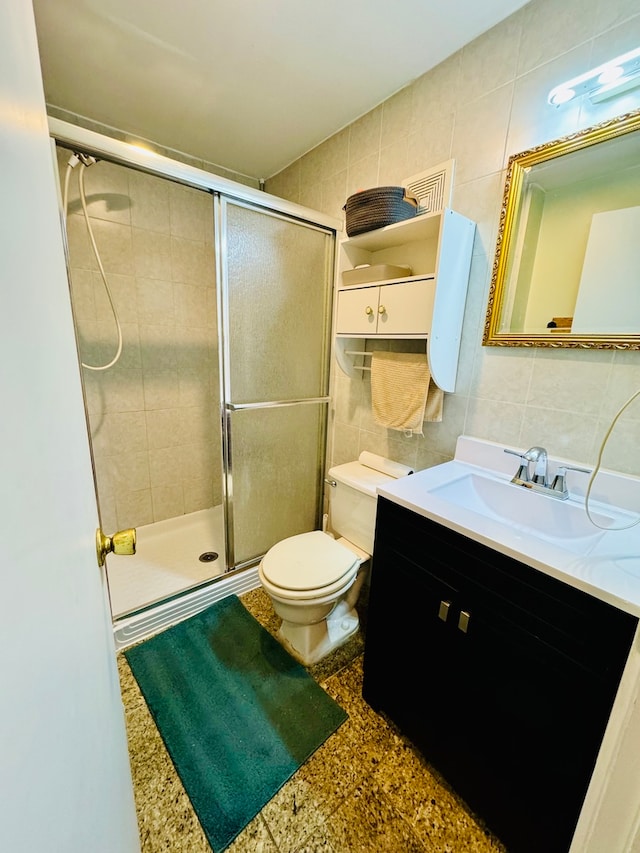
(249, 85)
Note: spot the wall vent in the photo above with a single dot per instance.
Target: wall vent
(432, 188)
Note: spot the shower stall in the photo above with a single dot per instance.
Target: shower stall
(202, 311)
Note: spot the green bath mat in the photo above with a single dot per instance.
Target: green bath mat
(237, 713)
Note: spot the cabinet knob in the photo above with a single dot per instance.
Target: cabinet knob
(368, 310)
(382, 310)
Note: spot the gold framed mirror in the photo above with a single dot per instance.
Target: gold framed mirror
(566, 271)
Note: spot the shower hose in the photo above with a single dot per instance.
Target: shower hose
(83, 161)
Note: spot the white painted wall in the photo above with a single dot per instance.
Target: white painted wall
(65, 785)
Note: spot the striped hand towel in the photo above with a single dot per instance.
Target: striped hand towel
(403, 395)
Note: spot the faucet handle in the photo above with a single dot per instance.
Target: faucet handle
(523, 471)
(560, 480)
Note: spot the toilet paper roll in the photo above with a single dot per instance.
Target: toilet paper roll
(384, 465)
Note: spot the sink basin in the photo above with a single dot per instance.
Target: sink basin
(564, 523)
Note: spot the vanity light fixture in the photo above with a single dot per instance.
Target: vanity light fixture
(607, 80)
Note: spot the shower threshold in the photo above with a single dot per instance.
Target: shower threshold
(173, 575)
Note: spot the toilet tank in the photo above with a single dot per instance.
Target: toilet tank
(353, 501)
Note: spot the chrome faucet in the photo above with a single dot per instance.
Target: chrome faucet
(539, 481)
(540, 458)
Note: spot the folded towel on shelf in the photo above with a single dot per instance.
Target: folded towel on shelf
(403, 395)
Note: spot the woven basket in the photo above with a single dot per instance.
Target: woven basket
(370, 209)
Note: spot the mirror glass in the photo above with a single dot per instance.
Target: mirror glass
(566, 271)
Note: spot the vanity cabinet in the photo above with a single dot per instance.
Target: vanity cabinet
(503, 676)
(427, 305)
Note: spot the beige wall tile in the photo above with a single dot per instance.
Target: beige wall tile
(569, 380)
(191, 262)
(161, 389)
(190, 305)
(396, 117)
(394, 162)
(165, 467)
(164, 428)
(198, 494)
(156, 242)
(430, 145)
(363, 174)
(479, 134)
(501, 375)
(134, 509)
(491, 60)
(156, 347)
(365, 135)
(130, 472)
(150, 203)
(494, 420)
(115, 246)
(151, 254)
(168, 502)
(287, 183)
(484, 103)
(106, 189)
(551, 28)
(155, 302)
(188, 212)
(569, 435)
(80, 250)
(122, 390)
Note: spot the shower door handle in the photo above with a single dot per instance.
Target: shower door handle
(273, 404)
(123, 542)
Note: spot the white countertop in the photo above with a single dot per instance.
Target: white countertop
(608, 566)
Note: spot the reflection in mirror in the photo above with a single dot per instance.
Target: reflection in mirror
(567, 264)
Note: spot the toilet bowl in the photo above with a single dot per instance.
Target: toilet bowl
(314, 579)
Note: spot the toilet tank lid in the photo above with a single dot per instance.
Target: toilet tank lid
(359, 477)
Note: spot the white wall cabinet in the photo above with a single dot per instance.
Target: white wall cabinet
(427, 305)
(402, 308)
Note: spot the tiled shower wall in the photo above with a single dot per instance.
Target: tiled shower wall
(481, 105)
(154, 415)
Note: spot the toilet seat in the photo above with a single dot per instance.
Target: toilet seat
(307, 566)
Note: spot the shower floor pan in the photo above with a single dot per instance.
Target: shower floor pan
(167, 560)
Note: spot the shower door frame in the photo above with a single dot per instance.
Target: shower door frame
(224, 340)
(243, 577)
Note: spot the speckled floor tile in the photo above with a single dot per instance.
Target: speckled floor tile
(259, 605)
(317, 843)
(166, 818)
(438, 817)
(313, 793)
(368, 823)
(365, 789)
(255, 838)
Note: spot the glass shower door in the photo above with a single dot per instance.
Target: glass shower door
(276, 278)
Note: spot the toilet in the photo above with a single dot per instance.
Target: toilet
(314, 579)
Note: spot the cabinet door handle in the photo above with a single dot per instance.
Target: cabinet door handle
(368, 310)
(382, 310)
(443, 610)
(463, 621)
